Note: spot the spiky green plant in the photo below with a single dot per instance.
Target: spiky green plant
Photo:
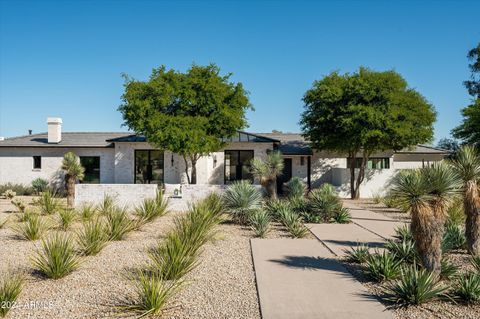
(382, 266)
(118, 223)
(296, 188)
(404, 233)
(294, 224)
(92, 237)
(9, 194)
(150, 209)
(11, 285)
(107, 205)
(414, 287)
(86, 212)
(467, 288)
(19, 204)
(23, 217)
(4, 222)
(267, 170)
(48, 202)
(475, 261)
(58, 257)
(404, 250)
(66, 217)
(33, 228)
(453, 238)
(455, 213)
(325, 202)
(152, 294)
(377, 198)
(260, 223)
(342, 216)
(357, 254)
(449, 269)
(39, 185)
(241, 199)
(213, 202)
(275, 208)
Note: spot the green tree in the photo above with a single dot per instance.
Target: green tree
(362, 113)
(73, 171)
(187, 113)
(469, 130)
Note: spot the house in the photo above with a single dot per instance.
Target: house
(126, 158)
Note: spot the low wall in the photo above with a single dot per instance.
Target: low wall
(129, 195)
(189, 194)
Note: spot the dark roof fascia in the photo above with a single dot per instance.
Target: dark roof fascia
(55, 146)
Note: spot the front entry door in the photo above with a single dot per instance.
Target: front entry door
(286, 175)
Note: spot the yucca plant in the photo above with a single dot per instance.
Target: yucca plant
(342, 216)
(475, 261)
(357, 254)
(23, 217)
(276, 208)
(404, 233)
(118, 223)
(404, 250)
(456, 214)
(152, 293)
(213, 202)
(467, 288)
(66, 217)
(427, 192)
(86, 212)
(267, 171)
(453, 237)
(381, 267)
(414, 287)
(241, 199)
(467, 166)
(48, 202)
(260, 223)
(19, 204)
(107, 205)
(34, 227)
(58, 257)
(92, 237)
(74, 172)
(150, 209)
(449, 270)
(11, 285)
(296, 188)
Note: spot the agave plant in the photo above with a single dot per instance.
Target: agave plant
(404, 233)
(357, 254)
(48, 202)
(296, 188)
(427, 193)
(404, 250)
(325, 203)
(267, 171)
(453, 237)
(260, 223)
(467, 166)
(381, 267)
(74, 171)
(241, 199)
(449, 269)
(467, 288)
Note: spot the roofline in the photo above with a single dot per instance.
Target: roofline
(269, 139)
(273, 140)
(55, 146)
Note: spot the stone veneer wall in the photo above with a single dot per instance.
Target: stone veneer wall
(129, 195)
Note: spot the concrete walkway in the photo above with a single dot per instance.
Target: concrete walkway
(301, 279)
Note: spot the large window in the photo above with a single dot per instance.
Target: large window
(237, 166)
(91, 164)
(148, 167)
(373, 163)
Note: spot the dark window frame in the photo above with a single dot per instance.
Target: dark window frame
(99, 169)
(37, 162)
(358, 161)
(149, 161)
(238, 166)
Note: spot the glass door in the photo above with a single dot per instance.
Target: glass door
(148, 167)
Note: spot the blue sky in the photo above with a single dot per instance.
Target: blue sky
(65, 58)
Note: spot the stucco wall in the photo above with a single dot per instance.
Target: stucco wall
(16, 164)
(126, 195)
(415, 160)
(376, 181)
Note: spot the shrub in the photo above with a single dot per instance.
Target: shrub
(404, 250)
(467, 288)
(107, 205)
(66, 217)
(414, 287)
(294, 224)
(391, 202)
(9, 194)
(39, 185)
(19, 204)
(152, 294)
(296, 188)
(118, 223)
(275, 208)
(10, 287)
(58, 257)
(357, 254)
(93, 237)
(300, 205)
(213, 202)
(324, 202)
(449, 270)
(475, 261)
(453, 238)
(381, 267)
(86, 212)
(33, 228)
(4, 222)
(18, 189)
(260, 223)
(342, 216)
(23, 217)
(150, 209)
(48, 202)
(241, 199)
(377, 198)
(404, 233)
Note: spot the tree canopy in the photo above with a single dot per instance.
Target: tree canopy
(186, 113)
(365, 112)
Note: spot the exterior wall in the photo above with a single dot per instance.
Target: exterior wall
(126, 195)
(299, 170)
(415, 160)
(376, 182)
(16, 164)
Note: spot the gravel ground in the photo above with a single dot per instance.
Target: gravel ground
(222, 286)
(437, 309)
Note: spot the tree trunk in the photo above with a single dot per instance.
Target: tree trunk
(186, 169)
(361, 174)
(471, 204)
(271, 187)
(70, 185)
(352, 174)
(194, 172)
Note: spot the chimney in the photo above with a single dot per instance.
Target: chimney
(2, 138)
(30, 132)
(54, 129)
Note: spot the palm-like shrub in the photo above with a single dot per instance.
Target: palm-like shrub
(152, 294)
(86, 212)
(39, 185)
(260, 223)
(381, 267)
(267, 171)
(414, 287)
(73, 171)
(92, 237)
(404, 250)
(57, 257)
(467, 288)
(467, 166)
(10, 287)
(48, 202)
(118, 224)
(296, 188)
(66, 217)
(453, 237)
(33, 228)
(357, 254)
(241, 199)
(427, 193)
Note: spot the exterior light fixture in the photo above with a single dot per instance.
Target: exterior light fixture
(172, 160)
(214, 160)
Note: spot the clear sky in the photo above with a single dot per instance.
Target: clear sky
(65, 58)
